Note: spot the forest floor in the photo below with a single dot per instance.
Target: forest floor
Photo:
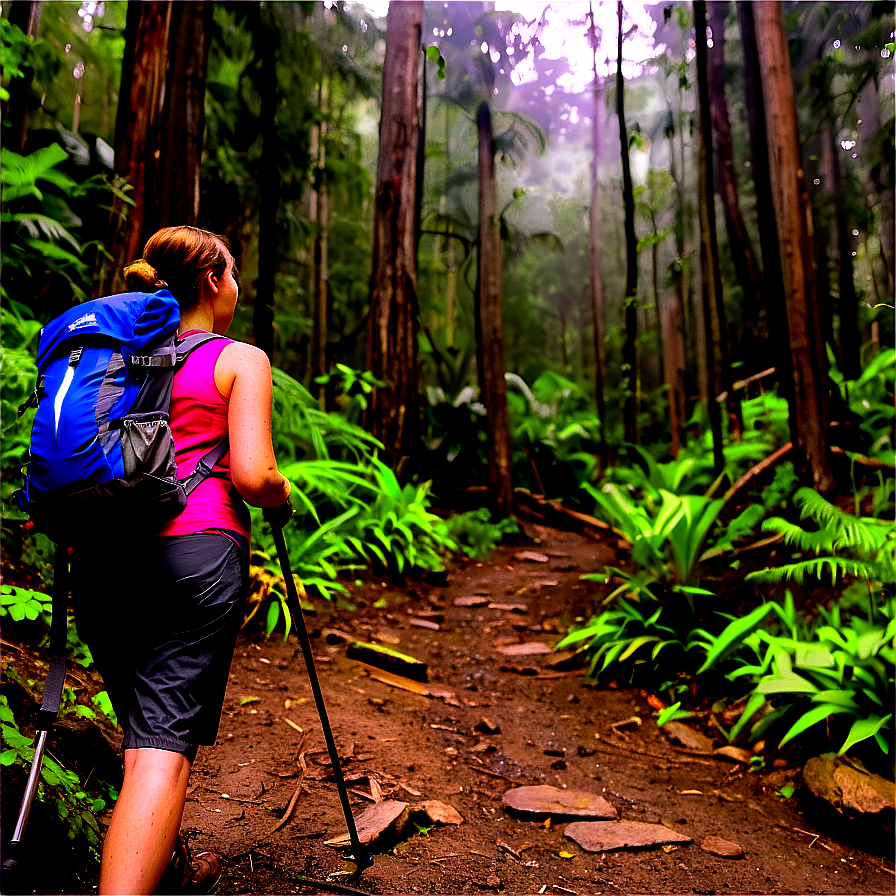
(263, 797)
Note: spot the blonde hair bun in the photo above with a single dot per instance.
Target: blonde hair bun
(141, 276)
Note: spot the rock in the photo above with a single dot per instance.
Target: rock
(532, 557)
(441, 813)
(567, 659)
(849, 788)
(687, 737)
(487, 726)
(509, 608)
(725, 849)
(542, 801)
(470, 601)
(379, 822)
(528, 648)
(423, 623)
(735, 754)
(606, 836)
(494, 882)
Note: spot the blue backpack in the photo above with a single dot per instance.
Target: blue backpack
(101, 452)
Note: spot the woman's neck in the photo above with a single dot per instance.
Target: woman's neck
(200, 317)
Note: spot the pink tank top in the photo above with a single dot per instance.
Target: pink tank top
(198, 423)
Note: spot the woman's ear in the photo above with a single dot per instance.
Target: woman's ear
(211, 281)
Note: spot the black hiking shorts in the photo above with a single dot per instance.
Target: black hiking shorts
(161, 618)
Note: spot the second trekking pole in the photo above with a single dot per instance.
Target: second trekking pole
(359, 855)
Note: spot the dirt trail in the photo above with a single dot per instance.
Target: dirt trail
(554, 727)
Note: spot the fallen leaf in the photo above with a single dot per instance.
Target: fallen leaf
(690, 792)
(566, 855)
(246, 700)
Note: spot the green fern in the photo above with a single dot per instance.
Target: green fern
(844, 545)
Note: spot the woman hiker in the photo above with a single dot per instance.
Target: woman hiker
(162, 618)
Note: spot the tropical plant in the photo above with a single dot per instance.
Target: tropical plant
(397, 530)
(843, 544)
(58, 786)
(639, 640)
(802, 674)
(667, 543)
(475, 533)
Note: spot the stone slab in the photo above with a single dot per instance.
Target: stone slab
(724, 849)
(376, 821)
(608, 836)
(543, 801)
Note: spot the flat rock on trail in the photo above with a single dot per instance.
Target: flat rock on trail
(491, 720)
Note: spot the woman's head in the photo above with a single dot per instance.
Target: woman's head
(179, 259)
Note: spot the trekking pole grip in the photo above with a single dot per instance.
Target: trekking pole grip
(360, 856)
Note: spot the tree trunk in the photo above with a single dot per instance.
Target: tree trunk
(393, 415)
(490, 324)
(849, 341)
(138, 133)
(26, 16)
(176, 185)
(263, 312)
(320, 266)
(772, 275)
(674, 369)
(793, 215)
(630, 301)
(754, 349)
(595, 237)
(711, 282)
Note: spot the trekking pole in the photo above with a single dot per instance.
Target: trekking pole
(49, 708)
(359, 855)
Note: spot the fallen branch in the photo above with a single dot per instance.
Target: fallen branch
(554, 513)
(752, 473)
(860, 459)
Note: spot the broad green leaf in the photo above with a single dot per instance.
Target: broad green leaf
(808, 719)
(862, 729)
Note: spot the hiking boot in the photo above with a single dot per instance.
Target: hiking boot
(189, 874)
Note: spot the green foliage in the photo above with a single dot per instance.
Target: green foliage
(59, 786)
(20, 603)
(640, 641)
(802, 674)
(38, 222)
(398, 531)
(871, 399)
(667, 540)
(843, 544)
(475, 533)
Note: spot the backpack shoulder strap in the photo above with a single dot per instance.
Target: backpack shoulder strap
(190, 343)
(206, 464)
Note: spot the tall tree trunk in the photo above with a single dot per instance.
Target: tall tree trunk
(773, 274)
(675, 370)
(793, 215)
(393, 415)
(320, 265)
(263, 312)
(595, 236)
(755, 350)
(490, 324)
(711, 281)
(138, 132)
(176, 191)
(630, 302)
(850, 342)
(26, 16)
(880, 188)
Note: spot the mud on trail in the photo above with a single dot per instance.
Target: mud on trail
(496, 717)
(500, 712)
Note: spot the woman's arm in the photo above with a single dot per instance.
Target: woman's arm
(243, 374)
